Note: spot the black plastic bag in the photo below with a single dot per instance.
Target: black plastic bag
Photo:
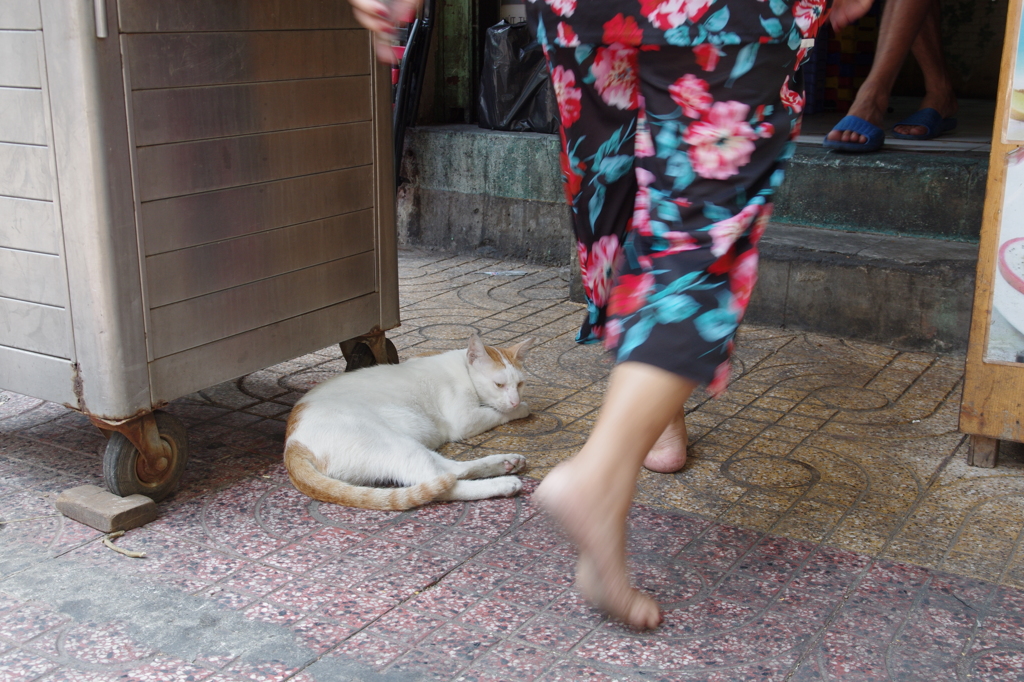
(515, 88)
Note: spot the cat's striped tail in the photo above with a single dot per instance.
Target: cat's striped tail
(309, 480)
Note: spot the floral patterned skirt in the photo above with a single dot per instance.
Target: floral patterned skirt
(670, 156)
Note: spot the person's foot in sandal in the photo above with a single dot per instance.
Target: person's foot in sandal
(860, 130)
(934, 118)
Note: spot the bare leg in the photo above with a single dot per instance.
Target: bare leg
(938, 88)
(901, 22)
(590, 494)
(669, 454)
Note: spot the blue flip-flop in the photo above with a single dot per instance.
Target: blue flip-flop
(926, 118)
(855, 124)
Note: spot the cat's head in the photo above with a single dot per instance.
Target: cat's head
(497, 373)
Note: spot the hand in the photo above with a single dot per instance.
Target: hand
(381, 18)
(845, 12)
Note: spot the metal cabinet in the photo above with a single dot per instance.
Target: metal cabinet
(190, 190)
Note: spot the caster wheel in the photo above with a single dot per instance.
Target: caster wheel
(361, 356)
(123, 469)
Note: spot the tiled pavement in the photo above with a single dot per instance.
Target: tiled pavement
(826, 528)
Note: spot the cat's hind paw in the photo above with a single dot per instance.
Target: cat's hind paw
(513, 463)
(493, 465)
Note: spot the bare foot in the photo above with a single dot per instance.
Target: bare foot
(669, 454)
(598, 528)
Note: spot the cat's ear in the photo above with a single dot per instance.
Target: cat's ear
(476, 349)
(518, 351)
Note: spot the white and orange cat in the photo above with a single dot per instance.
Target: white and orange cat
(358, 432)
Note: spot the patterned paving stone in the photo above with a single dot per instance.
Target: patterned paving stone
(825, 527)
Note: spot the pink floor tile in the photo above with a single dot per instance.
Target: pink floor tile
(272, 613)
(404, 627)
(17, 665)
(550, 632)
(369, 650)
(496, 616)
(442, 601)
(256, 579)
(103, 644)
(320, 634)
(29, 621)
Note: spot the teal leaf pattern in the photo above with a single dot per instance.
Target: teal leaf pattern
(744, 62)
(668, 139)
(679, 167)
(794, 38)
(675, 308)
(678, 36)
(596, 204)
(772, 26)
(717, 21)
(614, 167)
(716, 324)
(716, 213)
(635, 336)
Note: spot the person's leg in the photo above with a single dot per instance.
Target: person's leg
(590, 494)
(901, 22)
(938, 87)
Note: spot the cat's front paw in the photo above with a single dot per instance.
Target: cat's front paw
(521, 411)
(508, 486)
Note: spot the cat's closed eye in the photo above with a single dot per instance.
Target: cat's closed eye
(499, 385)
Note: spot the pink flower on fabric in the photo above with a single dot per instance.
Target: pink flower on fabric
(572, 174)
(666, 14)
(615, 76)
(721, 381)
(742, 278)
(691, 93)
(581, 255)
(643, 143)
(600, 268)
(563, 8)
(566, 36)
(760, 224)
(791, 99)
(765, 130)
(622, 29)
(630, 294)
(707, 56)
(724, 233)
(807, 15)
(642, 202)
(677, 243)
(567, 95)
(612, 332)
(721, 142)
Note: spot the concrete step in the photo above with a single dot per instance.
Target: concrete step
(495, 189)
(906, 292)
(874, 247)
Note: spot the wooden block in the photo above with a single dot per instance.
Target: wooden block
(984, 452)
(105, 511)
